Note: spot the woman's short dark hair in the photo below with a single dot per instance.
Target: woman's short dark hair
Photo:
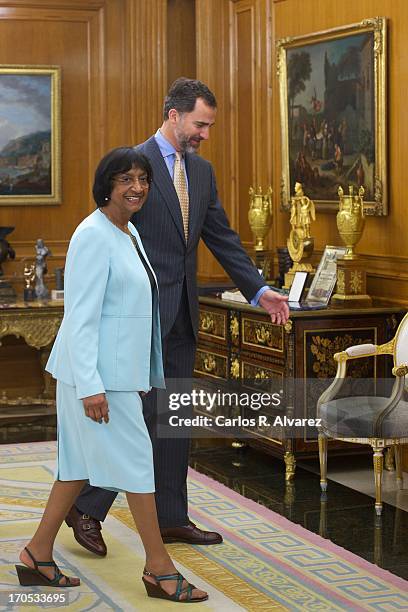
(183, 94)
(115, 162)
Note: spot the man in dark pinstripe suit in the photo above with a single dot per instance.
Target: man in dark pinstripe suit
(189, 113)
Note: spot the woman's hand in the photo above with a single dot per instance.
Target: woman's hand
(96, 407)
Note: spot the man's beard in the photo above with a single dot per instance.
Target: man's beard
(184, 143)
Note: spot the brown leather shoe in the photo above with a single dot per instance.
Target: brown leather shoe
(191, 534)
(87, 531)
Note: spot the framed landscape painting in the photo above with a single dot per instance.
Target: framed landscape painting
(332, 88)
(30, 140)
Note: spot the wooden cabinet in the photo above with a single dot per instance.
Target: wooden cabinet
(27, 392)
(237, 342)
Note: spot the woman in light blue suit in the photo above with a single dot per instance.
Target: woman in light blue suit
(108, 350)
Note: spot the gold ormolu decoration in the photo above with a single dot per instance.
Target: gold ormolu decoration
(378, 461)
(211, 364)
(290, 463)
(213, 324)
(206, 322)
(235, 368)
(288, 326)
(261, 375)
(37, 331)
(262, 334)
(389, 459)
(300, 242)
(260, 215)
(38, 326)
(351, 275)
(234, 329)
(29, 275)
(323, 348)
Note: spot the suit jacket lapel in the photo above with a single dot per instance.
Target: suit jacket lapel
(163, 182)
(193, 191)
(143, 254)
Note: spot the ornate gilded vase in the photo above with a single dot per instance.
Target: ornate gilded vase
(351, 274)
(350, 219)
(260, 215)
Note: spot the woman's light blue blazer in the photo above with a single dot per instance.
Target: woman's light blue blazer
(109, 338)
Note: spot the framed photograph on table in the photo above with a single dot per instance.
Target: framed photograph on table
(332, 88)
(326, 275)
(30, 135)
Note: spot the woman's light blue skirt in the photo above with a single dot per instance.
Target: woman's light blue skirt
(117, 455)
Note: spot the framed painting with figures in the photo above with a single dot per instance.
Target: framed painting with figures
(30, 141)
(333, 114)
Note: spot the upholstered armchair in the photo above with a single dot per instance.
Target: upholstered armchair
(368, 419)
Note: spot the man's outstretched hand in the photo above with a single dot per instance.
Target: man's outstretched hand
(276, 306)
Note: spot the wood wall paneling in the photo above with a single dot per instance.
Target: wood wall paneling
(181, 39)
(113, 77)
(147, 45)
(246, 136)
(117, 57)
(213, 68)
(244, 95)
(70, 35)
(383, 247)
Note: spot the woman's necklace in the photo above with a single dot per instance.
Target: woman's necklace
(123, 228)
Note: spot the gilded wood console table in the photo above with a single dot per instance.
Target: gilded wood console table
(26, 415)
(239, 342)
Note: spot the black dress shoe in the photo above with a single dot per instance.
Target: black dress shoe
(87, 531)
(190, 534)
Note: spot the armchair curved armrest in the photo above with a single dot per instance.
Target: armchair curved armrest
(361, 350)
(352, 352)
(337, 383)
(400, 370)
(365, 350)
(331, 391)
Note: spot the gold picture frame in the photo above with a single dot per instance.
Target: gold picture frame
(30, 135)
(332, 87)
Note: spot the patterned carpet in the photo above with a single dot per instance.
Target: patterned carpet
(266, 562)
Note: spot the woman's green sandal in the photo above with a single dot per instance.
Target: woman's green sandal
(31, 576)
(155, 590)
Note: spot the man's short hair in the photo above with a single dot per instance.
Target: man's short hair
(183, 94)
